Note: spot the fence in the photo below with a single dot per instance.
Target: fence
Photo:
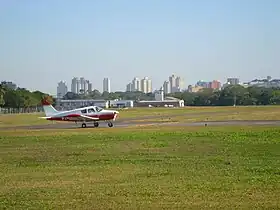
(20, 110)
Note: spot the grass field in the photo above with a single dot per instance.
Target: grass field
(141, 168)
(186, 114)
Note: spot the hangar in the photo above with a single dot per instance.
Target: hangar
(74, 104)
(164, 103)
(121, 103)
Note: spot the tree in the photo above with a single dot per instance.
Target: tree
(2, 93)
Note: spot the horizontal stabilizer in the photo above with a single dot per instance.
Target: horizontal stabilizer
(44, 117)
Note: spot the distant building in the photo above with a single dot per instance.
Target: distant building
(80, 85)
(215, 84)
(74, 104)
(165, 103)
(172, 81)
(178, 84)
(195, 89)
(106, 85)
(89, 87)
(146, 85)
(166, 87)
(9, 85)
(149, 86)
(159, 95)
(121, 103)
(202, 83)
(136, 84)
(267, 83)
(233, 81)
(129, 87)
(61, 89)
(75, 85)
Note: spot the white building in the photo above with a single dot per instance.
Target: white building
(166, 87)
(106, 85)
(149, 86)
(136, 84)
(75, 85)
(233, 81)
(146, 85)
(172, 81)
(159, 95)
(61, 89)
(176, 83)
(89, 87)
(129, 87)
(121, 103)
(80, 85)
(74, 104)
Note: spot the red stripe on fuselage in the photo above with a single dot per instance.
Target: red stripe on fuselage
(77, 117)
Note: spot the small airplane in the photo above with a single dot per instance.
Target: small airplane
(86, 114)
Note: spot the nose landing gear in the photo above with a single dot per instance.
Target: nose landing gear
(95, 124)
(110, 124)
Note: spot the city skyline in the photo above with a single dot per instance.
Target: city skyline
(198, 40)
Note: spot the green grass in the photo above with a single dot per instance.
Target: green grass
(146, 168)
(165, 114)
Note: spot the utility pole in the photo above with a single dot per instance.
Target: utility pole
(234, 100)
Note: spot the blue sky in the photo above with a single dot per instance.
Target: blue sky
(42, 42)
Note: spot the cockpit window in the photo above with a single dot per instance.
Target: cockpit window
(91, 110)
(98, 109)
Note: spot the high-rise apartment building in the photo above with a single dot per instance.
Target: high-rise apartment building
(129, 87)
(83, 86)
(89, 87)
(203, 84)
(215, 84)
(149, 86)
(80, 86)
(146, 85)
(232, 81)
(166, 87)
(176, 83)
(9, 85)
(61, 89)
(74, 85)
(172, 81)
(136, 84)
(106, 85)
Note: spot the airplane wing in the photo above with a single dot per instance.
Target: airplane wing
(89, 118)
(74, 116)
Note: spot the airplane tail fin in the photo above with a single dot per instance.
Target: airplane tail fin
(48, 108)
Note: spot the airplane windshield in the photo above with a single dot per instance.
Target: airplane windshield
(98, 109)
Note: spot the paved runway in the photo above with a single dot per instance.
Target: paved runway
(129, 124)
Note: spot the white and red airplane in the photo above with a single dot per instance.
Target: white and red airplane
(86, 114)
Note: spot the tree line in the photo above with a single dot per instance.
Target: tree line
(232, 95)
(228, 96)
(21, 97)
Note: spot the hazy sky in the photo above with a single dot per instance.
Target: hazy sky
(42, 42)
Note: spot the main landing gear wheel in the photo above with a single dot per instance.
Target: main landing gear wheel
(95, 124)
(110, 124)
(84, 125)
